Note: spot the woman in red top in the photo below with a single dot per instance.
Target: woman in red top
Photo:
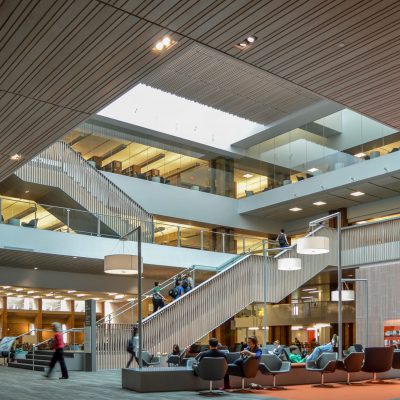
(58, 346)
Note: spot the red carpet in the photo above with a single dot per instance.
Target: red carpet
(338, 392)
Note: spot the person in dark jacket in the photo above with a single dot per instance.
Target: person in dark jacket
(212, 352)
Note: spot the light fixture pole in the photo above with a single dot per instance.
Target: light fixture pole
(364, 280)
(124, 264)
(265, 270)
(338, 217)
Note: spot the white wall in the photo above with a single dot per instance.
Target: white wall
(68, 244)
(176, 202)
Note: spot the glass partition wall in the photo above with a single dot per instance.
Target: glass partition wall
(330, 143)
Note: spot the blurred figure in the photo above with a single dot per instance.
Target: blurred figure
(133, 345)
(58, 355)
(278, 349)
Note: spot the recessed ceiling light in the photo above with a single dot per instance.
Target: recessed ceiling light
(131, 299)
(58, 297)
(361, 222)
(166, 41)
(75, 257)
(81, 295)
(19, 290)
(243, 44)
(251, 39)
(71, 291)
(314, 291)
(49, 294)
(6, 287)
(163, 44)
(356, 194)
(37, 297)
(313, 170)
(16, 157)
(9, 294)
(294, 209)
(26, 191)
(247, 176)
(31, 291)
(119, 296)
(308, 289)
(35, 268)
(112, 294)
(360, 155)
(307, 297)
(319, 203)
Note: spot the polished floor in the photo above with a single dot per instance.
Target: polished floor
(20, 384)
(106, 385)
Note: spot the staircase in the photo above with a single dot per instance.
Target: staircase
(40, 362)
(216, 300)
(61, 167)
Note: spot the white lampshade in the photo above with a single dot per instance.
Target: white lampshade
(121, 264)
(289, 264)
(313, 245)
(347, 295)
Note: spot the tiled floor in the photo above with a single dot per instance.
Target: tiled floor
(104, 385)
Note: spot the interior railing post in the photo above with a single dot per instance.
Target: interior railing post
(68, 219)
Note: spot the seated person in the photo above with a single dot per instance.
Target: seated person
(325, 348)
(278, 349)
(295, 356)
(252, 350)
(212, 352)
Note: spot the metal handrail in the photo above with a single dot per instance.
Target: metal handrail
(128, 306)
(48, 340)
(153, 224)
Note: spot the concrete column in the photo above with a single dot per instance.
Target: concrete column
(39, 320)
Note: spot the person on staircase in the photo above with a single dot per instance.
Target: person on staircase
(58, 355)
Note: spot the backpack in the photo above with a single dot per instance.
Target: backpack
(282, 239)
(185, 285)
(174, 292)
(157, 297)
(129, 348)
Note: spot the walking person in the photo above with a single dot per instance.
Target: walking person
(158, 298)
(58, 355)
(282, 239)
(133, 345)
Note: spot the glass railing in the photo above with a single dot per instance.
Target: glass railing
(32, 215)
(302, 313)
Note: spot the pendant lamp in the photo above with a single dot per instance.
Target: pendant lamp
(313, 245)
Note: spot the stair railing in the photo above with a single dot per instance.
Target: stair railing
(50, 339)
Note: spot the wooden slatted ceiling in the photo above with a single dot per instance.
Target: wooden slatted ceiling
(60, 61)
(345, 50)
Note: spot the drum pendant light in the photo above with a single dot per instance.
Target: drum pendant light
(313, 245)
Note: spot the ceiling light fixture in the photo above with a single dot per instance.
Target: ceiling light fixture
(360, 155)
(246, 42)
(16, 157)
(361, 222)
(119, 296)
(81, 295)
(319, 203)
(71, 291)
(58, 297)
(31, 291)
(19, 290)
(112, 294)
(356, 194)
(309, 289)
(247, 176)
(35, 268)
(165, 43)
(26, 191)
(313, 170)
(313, 245)
(295, 209)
